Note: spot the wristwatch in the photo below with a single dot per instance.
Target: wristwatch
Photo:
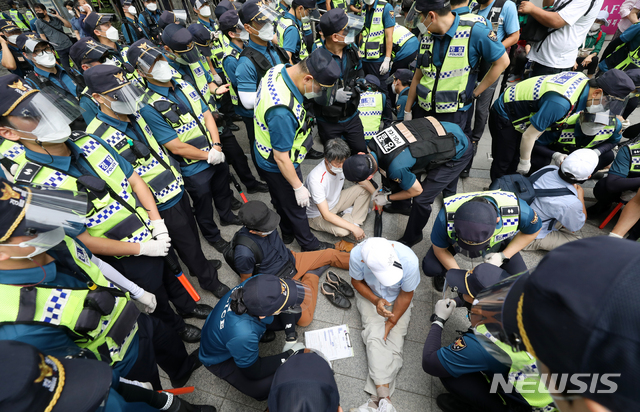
(217, 144)
(436, 318)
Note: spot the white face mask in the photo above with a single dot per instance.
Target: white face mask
(54, 130)
(112, 34)
(369, 2)
(424, 29)
(205, 11)
(12, 39)
(596, 108)
(41, 243)
(244, 35)
(132, 10)
(46, 59)
(336, 170)
(267, 233)
(161, 71)
(111, 61)
(595, 27)
(305, 19)
(311, 95)
(266, 32)
(152, 7)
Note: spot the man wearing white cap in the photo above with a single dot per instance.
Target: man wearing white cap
(562, 215)
(385, 274)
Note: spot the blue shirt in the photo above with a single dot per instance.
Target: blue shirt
(17, 55)
(622, 165)
(134, 132)
(508, 20)
(529, 224)
(282, 125)
(132, 37)
(142, 20)
(631, 36)
(401, 103)
(291, 38)
(230, 64)
(388, 20)
(275, 254)
(247, 75)
(466, 355)
(400, 167)
(226, 335)
(163, 132)
(77, 24)
(32, 23)
(358, 270)
(410, 47)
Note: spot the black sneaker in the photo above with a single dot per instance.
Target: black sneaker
(269, 336)
(438, 283)
(259, 187)
(288, 239)
(464, 173)
(220, 290)
(449, 402)
(233, 127)
(413, 242)
(236, 204)
(190, 334)
(314, 154)
(235, 221)
(392, 209)
(220, 245)
(200, 312)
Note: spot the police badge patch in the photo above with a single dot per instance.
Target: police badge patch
(492, 35)
(535, 218)
(458, 344)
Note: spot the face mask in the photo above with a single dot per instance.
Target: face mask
(305, 19)
(369, 2)
(123, 107)
(46, 59)
(349, 39)
(596, 108)
(595, 27)
(111, 61)
(393, 89)
(205, 11)
(266, 32)
(288, 2)
(12, 39)
(41, 243)
(152, 7)
(55, 131)
(310, 95)
(591, 128)
(244, 35)
(112, 34)
(335, 170)
(161, 71)
(424, 29)
(132, 10)
(40, 15)
(267, 233)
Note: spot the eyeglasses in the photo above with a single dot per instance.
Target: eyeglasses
(40, 52)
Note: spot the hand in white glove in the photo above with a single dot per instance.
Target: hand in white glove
(160, 231)
(381, 198)
(215, 156)
(343, 96)
(154, 248)
(408, 116)
(495, 259)
(148, 300)
(444, 308)
(217, 79)
(523, 166)
(302, 196)
(557, 158)
(298, 346)
(596, 151)
(385, 66)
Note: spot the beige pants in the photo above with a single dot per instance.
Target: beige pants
(356, 196)
(553, 240)
(384, 358)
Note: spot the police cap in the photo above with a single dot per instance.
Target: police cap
(358, 168)
(87, 48)
(166, 18)
(201, 37)
(229, 20)
(93, 20)
(16, 93)
(333, 21)
(471, 282)
(372, 79)
(104, 78)
(475, 222)
(226, 5)
(28, 41)
(8, 26)
(143, 49)
(265, 295)
(616, 83)
(404, 75)
(425, 6)
(307, 4)
(250, 10)
(176, 37)
(322, 67)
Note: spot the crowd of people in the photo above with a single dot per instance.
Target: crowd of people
(116, 141)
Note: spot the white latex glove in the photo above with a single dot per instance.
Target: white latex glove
(215, 157)
(302, 196)
(148, 300)
(217, 79)
(444, 308)
(298, 346)
(523, 166)
(385, 66)
(381, 198)
(558, 158)
(408, 116)
(343, 96)
(160, 231)
(596, 151)
(625, 124)
(495, 259)
(154, 248)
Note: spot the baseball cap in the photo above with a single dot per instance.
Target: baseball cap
(603, 16)
(381, 258)
(474, 223)
(323, 67)
(32, 381)
(472, 282)
(255, 215)
(93, 20)
(580, 164)
(359, 167)
(266, 295)
(28, 41)
(404, 75)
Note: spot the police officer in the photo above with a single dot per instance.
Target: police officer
(17, 17)
(131, 29)
(400, 87)
(340, 119)
(405, 48)
(622, 52)
(371, 107)
(466, 367)
(524, 111)
(203, 11)
(10, 55)
(493, 225)
(290, 32)
(123, 224)
(258, 56)
(571, 293)
(283, 136)
(377, 38)
(182, 122)
(230, 350)
(401, 160)
(149, 19)
(444, 85)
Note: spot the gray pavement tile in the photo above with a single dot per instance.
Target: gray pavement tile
(200, 397)
(410, 402)
(205, 381)
(351, 390)
(419, 324)
(356, 366)
(244, 400)
(411, 377)
(231, 406)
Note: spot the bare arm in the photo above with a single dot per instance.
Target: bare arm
(412, 96)
(8, 61)
(286, 168)
(518, 243)
(511, 39)
(43, 36)
(328, 4)
(445, 258)
(63, 20)
(144, 195)
(364, 290)
(388, 41)
(336, 220)
(108, 247)
(177, 147)
(549, 19)
(580, 191)
(633, 16)
(413, 191)
(492, 75)
(401, 304)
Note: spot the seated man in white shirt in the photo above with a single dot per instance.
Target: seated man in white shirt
(562, 215)
(325, 184)
(385, 274)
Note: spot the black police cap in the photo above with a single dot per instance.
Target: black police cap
(87, 48)
(250, 10)
(424, 6)
(307, 4)
(322, 67)
(333, 21)
(104, 78)
(616, 83)
(166, 18)
(8, 26)
(176, 37)
(404, 75)
(93, 20)
(201, 37)
(143, 49)
(28, 41)
(15, 92)
(224, 6)
(229, 20)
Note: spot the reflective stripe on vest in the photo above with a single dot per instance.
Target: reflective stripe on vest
(52, 306)
(401, 35)
(442, 87)
(523, 374)
(229, 51)
(373, 44)
(518, 99)
(164, 186)
(15, 16)
(568, 137)
(187, 127)
(509, 211)
(634, 165)
(274, 92)
(283, 24)
(339, 4)
(198, 70)
(370, 109)
(13, 151)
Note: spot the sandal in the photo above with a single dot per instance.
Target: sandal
(341, 284)
(335, 297)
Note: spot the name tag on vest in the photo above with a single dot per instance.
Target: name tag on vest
(456, 51)
(368, 102)
(198, 71)
(376, 20)
(108, 165)
(82, 256)
(121, 144)
(562, 78)
(194, 95)
(388, 140)
(635, 152)
(501, 237)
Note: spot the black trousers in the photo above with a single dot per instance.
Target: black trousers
(591, 67)
(539, 161)
(209, 186)
(150, 274)
(235, 157)
(374, 69)
(442, 178)
(251, 134)
(351, 131)
(158, 345)
(459, 117)
(475, 388)
(186, 241)
(64, 59)
(293, 218)
(505, 146)
(540, 69)
(431, 266)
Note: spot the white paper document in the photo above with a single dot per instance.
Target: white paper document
(334, 342)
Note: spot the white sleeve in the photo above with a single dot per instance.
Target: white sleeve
(118, 278)
(574, 10)
(315, 188)
(248, 99)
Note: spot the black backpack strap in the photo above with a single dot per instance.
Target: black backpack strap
(246, 241)
(258, 59)
(564, 191)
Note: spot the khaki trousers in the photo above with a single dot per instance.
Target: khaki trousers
(552, 240)
(356, 196)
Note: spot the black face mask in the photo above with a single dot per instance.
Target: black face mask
(40, 15)
(484, 1)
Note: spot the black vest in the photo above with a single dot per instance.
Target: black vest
(261, 62)
(338, 111)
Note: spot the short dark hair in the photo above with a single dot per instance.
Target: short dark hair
(593, 84)
(443, 11)
(336, 149)
(39, 6)
(457, 2)
(402, 82)
(303, 66)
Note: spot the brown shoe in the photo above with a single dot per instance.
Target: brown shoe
(344, 246)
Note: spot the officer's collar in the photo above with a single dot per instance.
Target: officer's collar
(461, 10)
(45, 73)
(292, 17)
(161, 90)
(58, 162)
(30, 275)
(291, 85)
(256, 46)
(206, 24)
(115, 123)
(454, 27)
(404, 91)
(234, 46)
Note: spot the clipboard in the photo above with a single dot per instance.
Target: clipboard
(333, 342)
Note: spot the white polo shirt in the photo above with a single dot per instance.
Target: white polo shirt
(323, 186)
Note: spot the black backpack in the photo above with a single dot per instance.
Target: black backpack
(244, 240)
(534, 31)
(523, 187)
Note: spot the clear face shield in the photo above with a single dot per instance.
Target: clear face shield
(616, 105)
(266, 15)
(148, 58)
(592, 123)
(180, 17)
(127, 100)
(298, 300)
(326, 95)
(413, 18)
(354, 26)
(188, 55)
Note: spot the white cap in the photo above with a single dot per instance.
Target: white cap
(581, 164)
(604, 17)
(380, 256)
